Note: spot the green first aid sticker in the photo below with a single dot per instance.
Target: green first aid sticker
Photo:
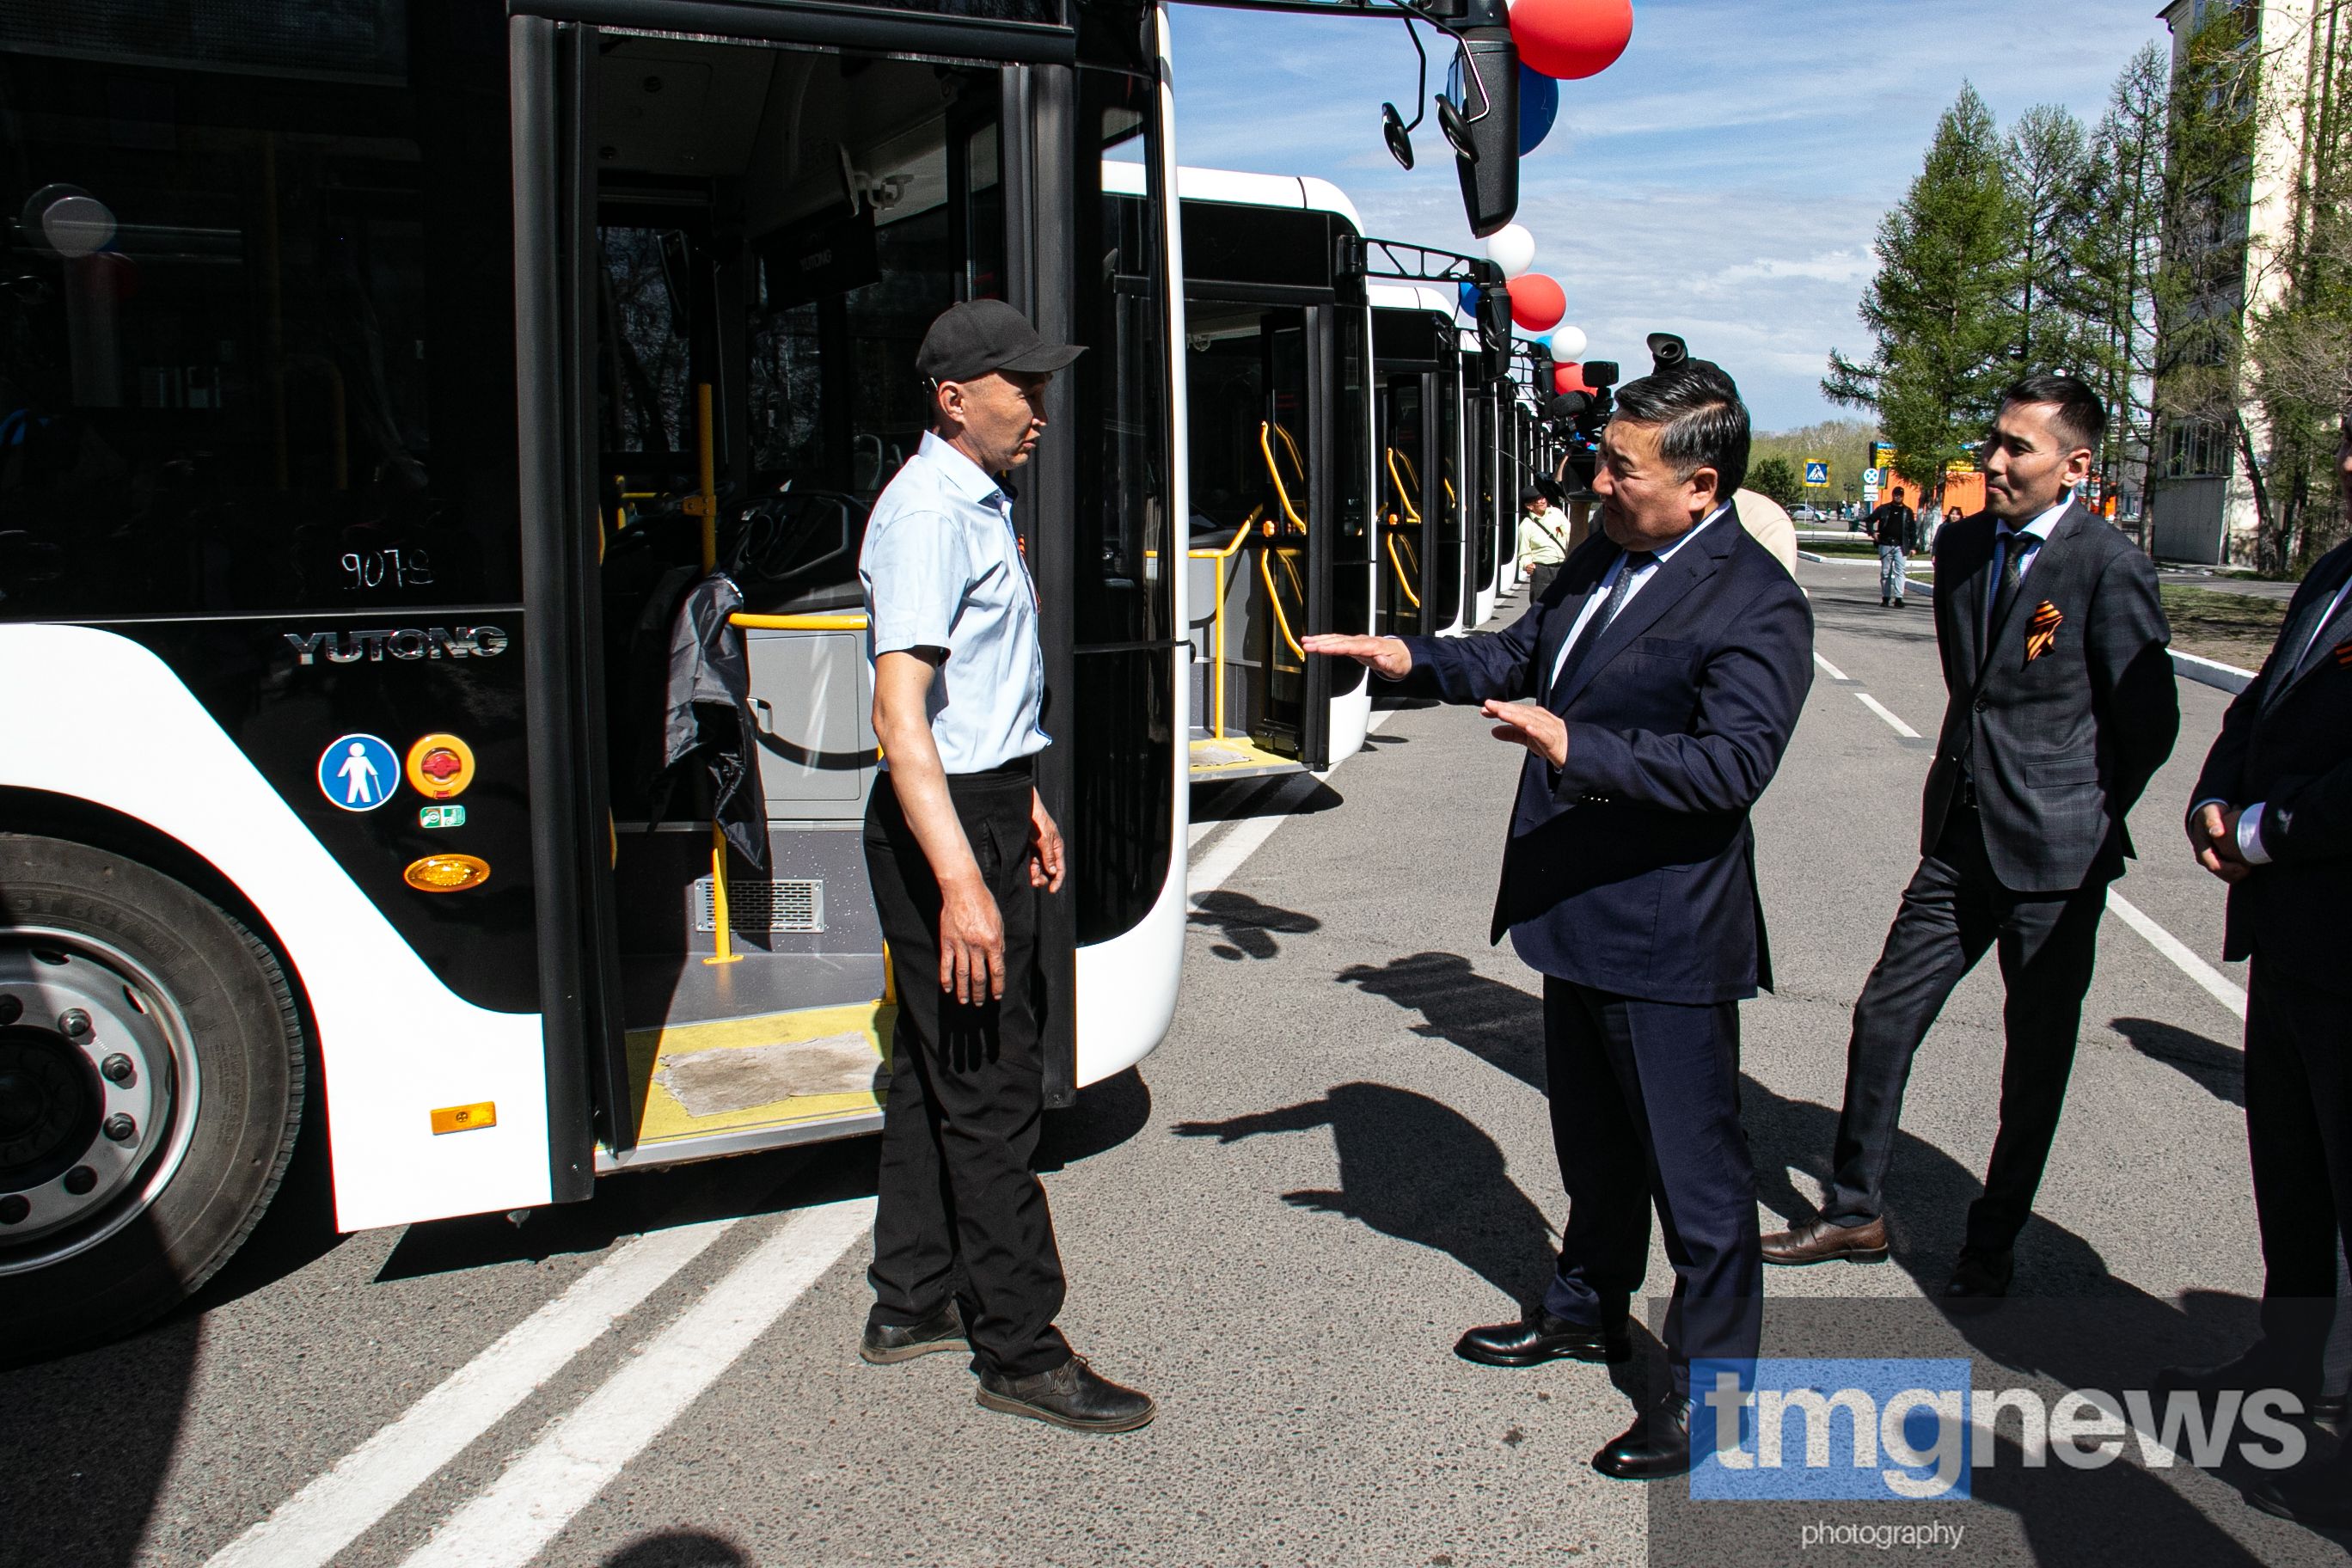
(441, 817)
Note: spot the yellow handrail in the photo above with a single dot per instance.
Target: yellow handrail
(831, 623)
(1404, 491)
(1266, 444)
(1404, 578)
(1266, 570)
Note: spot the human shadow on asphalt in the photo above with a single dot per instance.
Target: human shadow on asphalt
(1248, 926)
(680, 1549)
(2218, 1069)
(1416, 1170)
(1497, 1023)
(2070, 1322)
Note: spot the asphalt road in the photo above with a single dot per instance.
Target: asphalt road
(1338, 1159)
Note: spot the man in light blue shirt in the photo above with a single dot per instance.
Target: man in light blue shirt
(958, 848)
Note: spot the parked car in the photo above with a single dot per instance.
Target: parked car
(1805, 514)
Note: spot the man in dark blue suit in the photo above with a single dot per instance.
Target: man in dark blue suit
(2272, 818)
(1655, 685)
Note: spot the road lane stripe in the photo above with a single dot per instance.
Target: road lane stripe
(1833, 671)
(551, 1482)
(2217, 984)
(1876, 706)
(1224, 857)
(339, 1506)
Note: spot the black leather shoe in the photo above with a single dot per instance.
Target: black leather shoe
(1980, 1280)
(1534, 1340)
(887, 1342)
(1073, 1396)
(2319, 1500)
(1656, 1445)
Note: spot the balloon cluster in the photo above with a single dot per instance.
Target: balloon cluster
(1558, 40)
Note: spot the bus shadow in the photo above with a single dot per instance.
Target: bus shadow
(1245, 799)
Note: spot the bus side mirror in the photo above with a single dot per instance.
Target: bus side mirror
(1486, 156)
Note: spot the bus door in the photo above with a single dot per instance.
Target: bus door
(1478, 497)
(1262, 546)
(750, 240)
(1414, 600)
(1450, 495)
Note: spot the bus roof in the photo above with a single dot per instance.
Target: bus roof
(1412, 296)
(1302, 193)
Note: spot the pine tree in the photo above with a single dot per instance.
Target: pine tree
(2044, 163)
(1940, 306)
(2116, 250)
(1776, 478)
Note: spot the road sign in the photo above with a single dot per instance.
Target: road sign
(1871, 478)
(1816, 473)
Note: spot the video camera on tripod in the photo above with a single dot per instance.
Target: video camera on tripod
(1578, 417)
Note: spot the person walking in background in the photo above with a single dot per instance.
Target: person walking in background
(1654, 689)
(959, 847)
(1543, 541)
(2272, 818)
(1931, 522)
(1895, 527)
(2062, 707)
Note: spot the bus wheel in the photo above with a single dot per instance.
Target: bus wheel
(150, 1086)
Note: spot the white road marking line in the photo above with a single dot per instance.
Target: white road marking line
(2216, 984)
(1876, 706)
(1212, 870)
(1833, 671)
(540, 1491)
(344, 1502)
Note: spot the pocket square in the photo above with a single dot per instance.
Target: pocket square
(2042, 631)
(2343, 652)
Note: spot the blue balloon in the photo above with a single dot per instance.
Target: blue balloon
(1539, 102)
(1468, 296)
(1538, 107)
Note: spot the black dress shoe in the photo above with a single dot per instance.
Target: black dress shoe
(1541, 1337)
(2321, 1499)
(1980, 1280)
(888, 1342)
(1073, 1396)
(1656, 1445)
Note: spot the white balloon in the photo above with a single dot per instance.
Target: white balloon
(1512, 248)
(1569, 344)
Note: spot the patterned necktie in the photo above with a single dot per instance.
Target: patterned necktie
(2013, 576)
(1618, 592)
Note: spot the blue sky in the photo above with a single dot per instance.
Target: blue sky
(1724, 180)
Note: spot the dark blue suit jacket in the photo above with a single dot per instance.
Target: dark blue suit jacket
(2287, 743)
(1631, 868)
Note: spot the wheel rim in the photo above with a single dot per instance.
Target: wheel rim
(98, 1092)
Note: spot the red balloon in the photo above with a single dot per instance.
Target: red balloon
(1572, 39)
(1537, 303)
(1567, 378)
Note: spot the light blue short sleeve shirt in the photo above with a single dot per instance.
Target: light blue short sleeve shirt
(942, 568)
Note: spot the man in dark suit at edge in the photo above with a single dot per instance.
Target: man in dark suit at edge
(1655, 685)
(2062, 707)
(2272, 818)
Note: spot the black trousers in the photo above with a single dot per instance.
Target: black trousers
(1540, 578)
(1645, 1110)
(958, 1210)
(2299, 1128)
(1953, 910)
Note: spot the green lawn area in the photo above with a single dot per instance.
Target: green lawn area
(2235, 628)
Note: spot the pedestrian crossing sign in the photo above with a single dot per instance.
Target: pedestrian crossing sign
(1817, 473)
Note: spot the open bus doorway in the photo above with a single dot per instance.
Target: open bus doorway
(1418, 363)
(1278, 426)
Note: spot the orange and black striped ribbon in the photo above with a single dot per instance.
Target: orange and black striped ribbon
(2044, 631)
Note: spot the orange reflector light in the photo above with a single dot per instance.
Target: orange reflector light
(447, 873)
(466, 1118)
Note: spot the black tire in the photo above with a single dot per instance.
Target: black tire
(246, 1034)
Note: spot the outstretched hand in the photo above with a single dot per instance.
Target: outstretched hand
(1387, 657)
(1531, 725)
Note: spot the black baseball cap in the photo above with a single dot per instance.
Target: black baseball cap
(971, 339)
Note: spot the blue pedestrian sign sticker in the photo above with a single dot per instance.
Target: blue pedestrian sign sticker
(358, 772)
(1817, 473)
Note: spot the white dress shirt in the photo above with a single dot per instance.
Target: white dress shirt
(2249, 821)
(1601, 590)
(2027, 539)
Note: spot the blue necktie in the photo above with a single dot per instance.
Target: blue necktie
(1618, 592)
